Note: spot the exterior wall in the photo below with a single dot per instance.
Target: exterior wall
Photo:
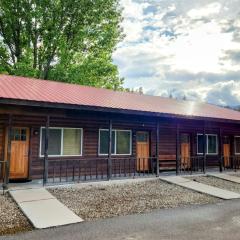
(91, 128)
(1, 143)
(91, 122)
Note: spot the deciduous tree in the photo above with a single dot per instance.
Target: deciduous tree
(64, 40)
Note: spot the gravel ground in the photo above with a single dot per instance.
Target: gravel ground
(217, 182)
(102, 201)
(11, 218)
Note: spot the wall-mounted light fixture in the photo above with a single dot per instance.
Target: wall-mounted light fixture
(36, 132)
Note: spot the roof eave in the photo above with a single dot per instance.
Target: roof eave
(30, 103)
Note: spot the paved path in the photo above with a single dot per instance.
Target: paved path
(216, 222)
(224, 176)
(42, 209)
(202, 188)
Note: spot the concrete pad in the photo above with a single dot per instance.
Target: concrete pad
(175, 179)
(25, 185)
(26, 195)
(48, 213)
(213, 191)
(202, 188)
(42, 209)
(226, 177)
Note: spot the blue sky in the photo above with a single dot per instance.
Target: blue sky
(182, 47)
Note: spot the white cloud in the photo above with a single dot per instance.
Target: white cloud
(210, 9)
(187, 49)
(224, 93)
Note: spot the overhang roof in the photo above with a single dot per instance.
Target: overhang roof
(35, 90)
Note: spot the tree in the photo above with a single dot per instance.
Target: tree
(69, 41)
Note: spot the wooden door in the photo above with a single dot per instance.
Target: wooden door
(19, 153)
(185, 151)
(226, 152)
(142, 139)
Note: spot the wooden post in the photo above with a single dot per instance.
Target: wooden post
(220, 150)
(177, 149)
(45, 173)
(204, 148)
(110, 150)
(8, 160)
(157, 149)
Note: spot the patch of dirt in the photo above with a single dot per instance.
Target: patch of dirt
(103, 201)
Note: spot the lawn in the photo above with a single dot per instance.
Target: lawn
(108, 200)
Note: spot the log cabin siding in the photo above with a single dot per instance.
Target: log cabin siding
(2, 143)
(90, 140)
(91, 122)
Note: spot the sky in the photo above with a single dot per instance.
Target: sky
(182, 47)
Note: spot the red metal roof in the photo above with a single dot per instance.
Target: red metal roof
(22, 88)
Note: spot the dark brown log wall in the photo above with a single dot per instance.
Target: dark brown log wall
(92, 122)
(1, 143)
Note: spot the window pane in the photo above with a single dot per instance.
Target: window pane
(237, 144)
(54, 142)
(185, 138)
(212, 144)
(104, 142)
(142, 136)
(23, 135)
(16, 134)
(123, 142)
(72, 142)
(200, 144)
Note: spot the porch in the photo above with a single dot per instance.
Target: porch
(156, 145)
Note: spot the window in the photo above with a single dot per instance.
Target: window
(142, 137)
(72, 141)
(121, 142)
(62, 141)
(211, 144)
(19, 134)
(237, 145)
(103, 146)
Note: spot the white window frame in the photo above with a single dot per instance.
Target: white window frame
(235, 146)
(200, 134)
(115, 147)
(62, 133)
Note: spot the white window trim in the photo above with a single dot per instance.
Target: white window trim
(200, 134)
(115, 147)
(235, 146)
(62, 130)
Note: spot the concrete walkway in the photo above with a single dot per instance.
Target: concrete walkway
(42, 209)
(202, 188)
(224, 176)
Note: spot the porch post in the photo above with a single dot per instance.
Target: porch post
(7, 167)
(220, 150)
(177, 149)
(157, 148)
(45, 174)
(204, 148)
(110, 150)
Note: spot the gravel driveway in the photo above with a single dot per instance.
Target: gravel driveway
(217, 182)
(102, 201)
(11, 218)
